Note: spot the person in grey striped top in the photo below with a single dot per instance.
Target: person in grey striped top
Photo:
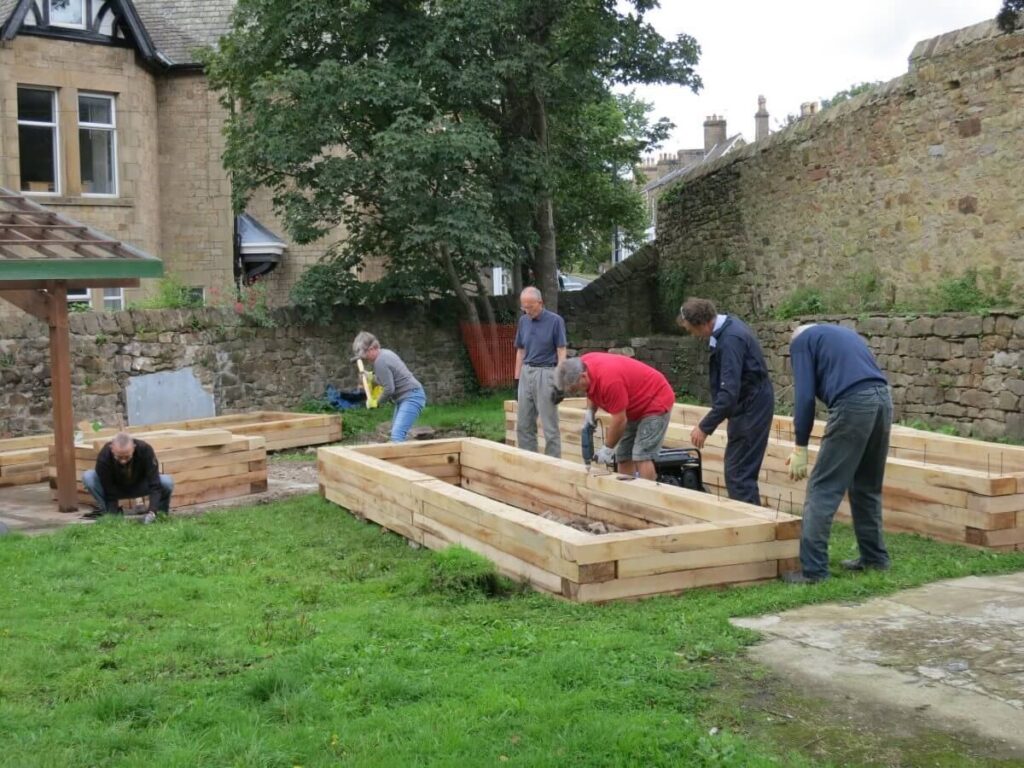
(397, 380)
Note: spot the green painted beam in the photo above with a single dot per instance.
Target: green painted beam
(72, 269)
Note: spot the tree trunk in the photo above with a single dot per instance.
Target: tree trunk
(517, 275)
(491, 323)
(457, 285)
(484, 298)
(546, 264)
(472, 316)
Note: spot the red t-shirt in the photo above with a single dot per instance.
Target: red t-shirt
(619, 383)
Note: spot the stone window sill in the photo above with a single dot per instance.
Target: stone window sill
(90, 202)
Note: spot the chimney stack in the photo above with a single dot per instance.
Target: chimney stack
(714, 132)
(760, 120)
(808, 108)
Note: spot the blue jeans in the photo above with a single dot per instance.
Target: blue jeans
(92, 484)
(406, 412)
(851, 458)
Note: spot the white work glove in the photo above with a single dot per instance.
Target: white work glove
(605, 455)
(797, 463)
(588, 418)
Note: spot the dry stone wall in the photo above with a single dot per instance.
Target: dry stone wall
(886, 194)
(245, 367)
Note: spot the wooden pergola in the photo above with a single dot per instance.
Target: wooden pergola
(42, 255)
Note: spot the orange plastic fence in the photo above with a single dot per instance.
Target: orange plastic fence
(492, 352)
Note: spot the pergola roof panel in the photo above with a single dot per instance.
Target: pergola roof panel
(40, 244)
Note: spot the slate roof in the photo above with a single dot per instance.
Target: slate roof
(716, 152)
(177, 28)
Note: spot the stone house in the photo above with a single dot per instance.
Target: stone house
(106, 116)
(669, 168)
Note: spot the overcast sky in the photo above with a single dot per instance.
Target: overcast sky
(792, 51)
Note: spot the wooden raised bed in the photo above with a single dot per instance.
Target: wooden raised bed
(206, 465)
(25, 459)
(943, 487)
(489, 498)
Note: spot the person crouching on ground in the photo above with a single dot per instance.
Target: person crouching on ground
(398, 382)
(127, 468)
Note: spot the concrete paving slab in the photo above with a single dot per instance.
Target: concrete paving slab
(28, 509)
(952, 652)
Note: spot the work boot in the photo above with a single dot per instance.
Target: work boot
(797, 577)
(858, 564)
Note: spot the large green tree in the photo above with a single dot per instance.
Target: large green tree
(431, 129)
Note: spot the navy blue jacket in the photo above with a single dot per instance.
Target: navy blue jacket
(738, 372)
(828, 361)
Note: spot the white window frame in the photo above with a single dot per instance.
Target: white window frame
(64, 24)
(55, 129)
(111, 127)
(113, 295)
(79, 295)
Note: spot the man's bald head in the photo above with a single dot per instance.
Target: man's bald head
(531, 301)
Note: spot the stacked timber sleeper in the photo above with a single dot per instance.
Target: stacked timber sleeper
(490, 498)
(26, 460)
(940, 486)
(206, 465)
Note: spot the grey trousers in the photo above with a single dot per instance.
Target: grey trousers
(851, 460)
(535, 388)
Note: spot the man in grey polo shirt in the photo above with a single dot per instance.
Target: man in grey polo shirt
(540, 346)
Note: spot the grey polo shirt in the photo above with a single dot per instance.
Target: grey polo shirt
(540, 338)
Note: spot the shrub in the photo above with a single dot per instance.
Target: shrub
(171, 293)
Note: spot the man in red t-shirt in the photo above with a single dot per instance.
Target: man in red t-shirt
(639, 399)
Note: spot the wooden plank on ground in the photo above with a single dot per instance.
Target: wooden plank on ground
(673, 583)
(705, 558)
(656, 541)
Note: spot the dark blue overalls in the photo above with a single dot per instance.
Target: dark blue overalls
(742, 393)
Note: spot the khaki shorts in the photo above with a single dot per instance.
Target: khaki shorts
(642, 439)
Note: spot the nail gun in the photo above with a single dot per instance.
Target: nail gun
(674, 466)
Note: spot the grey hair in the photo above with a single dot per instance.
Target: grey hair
(122, 440)
(568, 372)
(532, 292)
(801, 328)
(363, 343)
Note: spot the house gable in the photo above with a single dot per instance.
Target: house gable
(102, 22)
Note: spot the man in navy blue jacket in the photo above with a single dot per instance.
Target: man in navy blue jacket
(833, 364)
(740, 392)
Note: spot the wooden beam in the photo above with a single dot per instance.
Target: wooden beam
(99, 282)
(35, 302)
(60, 381)
(57, 241)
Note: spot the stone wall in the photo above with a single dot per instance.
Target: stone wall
(961, 370)
(891, 192)
(245, 367)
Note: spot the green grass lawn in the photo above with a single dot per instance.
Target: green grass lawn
(294, 635)
(479, 417)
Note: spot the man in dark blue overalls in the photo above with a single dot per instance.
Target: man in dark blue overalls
(740, 392)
